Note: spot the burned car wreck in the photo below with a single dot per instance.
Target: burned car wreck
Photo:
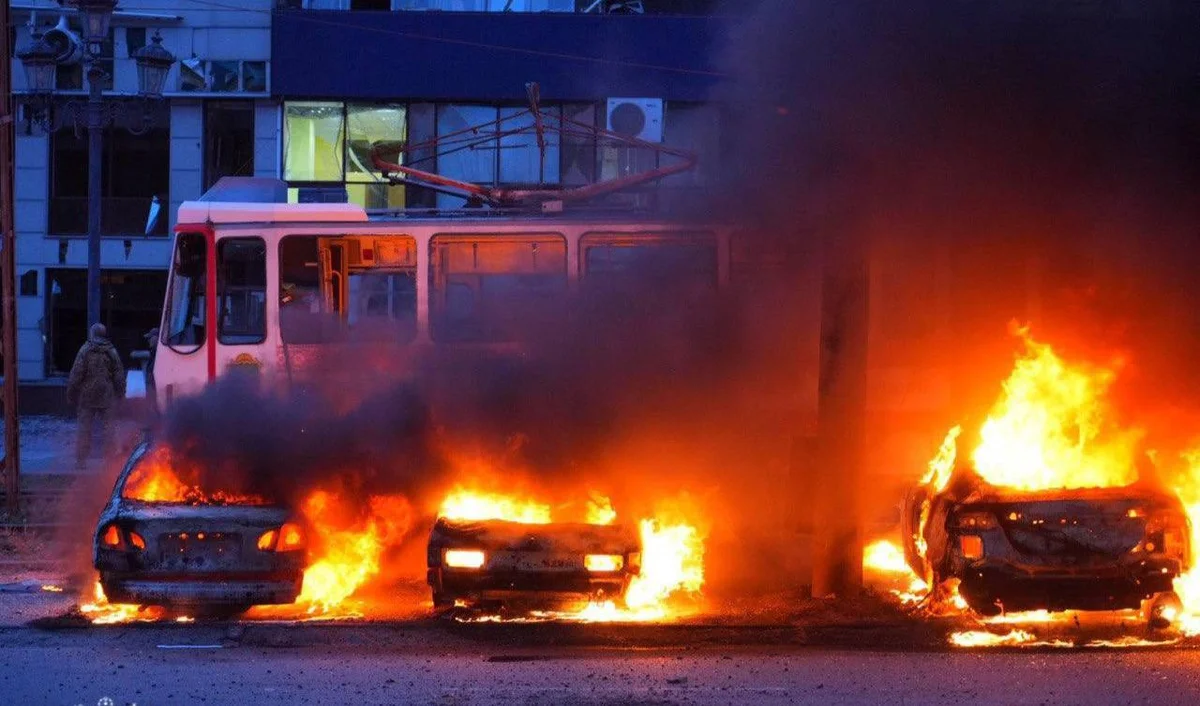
(1059, 549)
(160, 541)
(492, 564)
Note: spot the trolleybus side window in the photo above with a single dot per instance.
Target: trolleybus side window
(183, 325)
(302, 312)
(365, 283)
(674, 264)
(491, 288)
(242, 291)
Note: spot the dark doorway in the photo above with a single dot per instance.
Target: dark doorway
(131, 305)
(228, 140)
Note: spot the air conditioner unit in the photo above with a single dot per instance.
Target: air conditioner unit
(636, 117)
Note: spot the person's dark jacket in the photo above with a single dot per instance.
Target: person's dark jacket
(97, 378)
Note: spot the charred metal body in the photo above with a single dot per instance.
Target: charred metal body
(495, 563)
(193, 556)
(1087, 549)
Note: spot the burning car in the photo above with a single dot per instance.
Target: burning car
(1057, 506)
(1063, 549)
(500, 563)
(161, 541)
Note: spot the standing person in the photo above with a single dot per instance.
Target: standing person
(97, 381)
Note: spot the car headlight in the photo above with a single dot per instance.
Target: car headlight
(464, 558)
(601, 563)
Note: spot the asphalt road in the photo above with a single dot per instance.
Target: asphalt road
(428, 663)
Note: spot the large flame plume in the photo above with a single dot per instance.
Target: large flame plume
(1053, 428)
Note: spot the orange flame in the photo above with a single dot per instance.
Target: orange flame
(101, 612)
(156, 478)
(346, 552)
(465, 504)
(672, 561)
(1187, 586)
(1052, 428)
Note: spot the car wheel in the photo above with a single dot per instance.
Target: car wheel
(1162, 610)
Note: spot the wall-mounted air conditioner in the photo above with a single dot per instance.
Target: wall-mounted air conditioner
(636, 117)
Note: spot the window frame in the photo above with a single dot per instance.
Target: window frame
(165, 336)
(696, 238)
(222, 285)
(436, 295)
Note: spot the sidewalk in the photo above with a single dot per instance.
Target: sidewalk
(48, 444)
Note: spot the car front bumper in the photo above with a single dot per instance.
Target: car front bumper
(474, 586)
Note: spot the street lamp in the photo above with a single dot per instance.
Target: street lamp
(153, 64)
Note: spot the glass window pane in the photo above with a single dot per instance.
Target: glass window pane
(184, 329)
(254, 76)
(303, 316)
(193, 75)
(313, 138)
(579, 145)
(695, 128)
(422, 127)
(368, 126)
(471, 155)
(223, 76)
(521, 160)
(242, 284)
(491, 289)
(383, 303)
(669, 265)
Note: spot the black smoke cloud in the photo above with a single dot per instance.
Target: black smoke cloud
(1006, 143)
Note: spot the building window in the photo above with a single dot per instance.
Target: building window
(135, 172)
(369, 126)
(228, 140)
(329, 143)
(314, 135)
(222, 76)
(29, 283)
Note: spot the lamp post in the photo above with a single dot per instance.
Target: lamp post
(38, 59)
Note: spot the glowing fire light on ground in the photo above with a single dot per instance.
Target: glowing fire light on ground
(101, 612)
(983, 638)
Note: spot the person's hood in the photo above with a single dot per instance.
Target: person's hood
(100, 342)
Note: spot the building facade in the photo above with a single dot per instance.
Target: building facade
(216, 119)
(302, 90)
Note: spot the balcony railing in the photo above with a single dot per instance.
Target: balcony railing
(119, 216)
